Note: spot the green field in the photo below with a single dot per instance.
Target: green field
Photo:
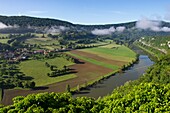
(42, 41)
(114, 67)
(4, 40)
(4, 35)
(38, 70)
(121, 53)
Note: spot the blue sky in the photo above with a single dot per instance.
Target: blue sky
(89, 11)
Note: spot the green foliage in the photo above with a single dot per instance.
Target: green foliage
(49, 103)
(146, 97)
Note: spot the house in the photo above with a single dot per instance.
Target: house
(142, 38)
(169, 44)
(39, 52)
(163, 44)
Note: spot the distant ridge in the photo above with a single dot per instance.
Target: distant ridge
(40, 23)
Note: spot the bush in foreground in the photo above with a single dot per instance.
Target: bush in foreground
(146, 97)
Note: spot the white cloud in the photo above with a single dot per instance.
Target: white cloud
(56, 29)
(151, 25)
(120, 28)
(108, 31)
(147, 24)
(165, 29)
(103, 31)
(4, 26)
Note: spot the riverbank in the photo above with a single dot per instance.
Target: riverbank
(106, 86)
(153, 53)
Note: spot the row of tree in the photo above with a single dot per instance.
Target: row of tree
(55, 71)
(10, 77)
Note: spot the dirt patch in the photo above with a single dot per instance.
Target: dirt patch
(98, 58)
(85, 72)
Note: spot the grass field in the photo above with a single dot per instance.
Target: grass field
(38, 70)
(110, 56)
(121, 53)
(42, 41)
(4, 35)
(4, 40)
(114, 67)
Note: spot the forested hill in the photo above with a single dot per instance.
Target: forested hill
(24, 21)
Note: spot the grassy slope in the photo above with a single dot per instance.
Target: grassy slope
(122, 53)
(95, 62)
(38, 70)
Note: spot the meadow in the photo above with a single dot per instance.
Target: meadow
(113, 52)
(111, 56)
(114, 67)
(38, 71)
(4, 41)
(42, 41)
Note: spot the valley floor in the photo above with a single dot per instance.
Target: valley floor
(94, 63)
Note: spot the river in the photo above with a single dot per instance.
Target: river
(108, 85)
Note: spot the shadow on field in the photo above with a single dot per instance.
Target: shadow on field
(27, 78)
(82, 92)
(40, 88)
(77, 61)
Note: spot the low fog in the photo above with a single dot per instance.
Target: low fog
(108, 31)
(147, 24)
(56, 29)
(4, 26)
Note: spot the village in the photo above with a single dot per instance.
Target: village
(150, 43)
